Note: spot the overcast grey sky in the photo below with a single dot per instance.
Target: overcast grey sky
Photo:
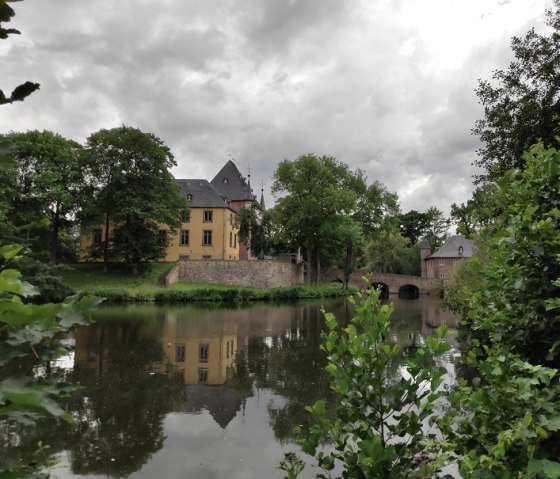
(383, 85)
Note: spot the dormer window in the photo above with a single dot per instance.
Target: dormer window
(226, 181)
(460, 250)
(189, 197)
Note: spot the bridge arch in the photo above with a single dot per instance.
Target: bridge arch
(409, 291)
(383, 287)
(393, 282)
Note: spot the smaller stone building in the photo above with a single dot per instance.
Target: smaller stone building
(441, 263)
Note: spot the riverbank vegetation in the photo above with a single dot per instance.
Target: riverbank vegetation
(118, 285)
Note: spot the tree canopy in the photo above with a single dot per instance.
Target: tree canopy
(521, 103)
(44, 185)
(132, 193)
(327, 209)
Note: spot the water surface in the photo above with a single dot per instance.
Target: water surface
(201, 392)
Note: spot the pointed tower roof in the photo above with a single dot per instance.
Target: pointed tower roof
(231, 184)
(263, 207)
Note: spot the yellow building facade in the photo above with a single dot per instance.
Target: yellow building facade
(208, 230)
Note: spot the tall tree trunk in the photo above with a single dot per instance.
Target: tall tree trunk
(106, 246)
(54, 238)
(309, 266)
(318, 268)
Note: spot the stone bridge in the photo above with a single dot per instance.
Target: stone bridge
(390, 283)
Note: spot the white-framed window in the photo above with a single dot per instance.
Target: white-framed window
(441, 261)
(207, 237)
(207, 216)
(185, 216)
(184, 240)
(202, 375)
(442, 276)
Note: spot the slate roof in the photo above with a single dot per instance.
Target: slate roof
(230, 184)
(204, 195)
(451, 248)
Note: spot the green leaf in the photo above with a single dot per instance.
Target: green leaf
(543, 467)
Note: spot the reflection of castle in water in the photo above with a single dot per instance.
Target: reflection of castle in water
(209, 349)
(205, 347)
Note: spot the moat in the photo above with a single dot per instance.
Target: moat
(200, 392)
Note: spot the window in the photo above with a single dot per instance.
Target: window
(206, 256)
(441, 276)
(183, 257)
(235, 241)
(441, 261)
(189, 197)
(180, 353)
(97, 236)
(230, 239)
(207, 237)
(226, 181)
(185, 216)
(203, 350)
(202, 375)
(184, 241)
(162, 236)
(460, 250)
(207, 216)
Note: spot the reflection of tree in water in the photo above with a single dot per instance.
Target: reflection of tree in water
(292, 366)
(120, 412)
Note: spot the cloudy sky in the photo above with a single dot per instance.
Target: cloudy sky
(383, 85)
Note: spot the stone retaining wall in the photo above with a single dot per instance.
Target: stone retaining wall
(256, 274)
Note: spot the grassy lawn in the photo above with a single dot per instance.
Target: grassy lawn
(90, 277)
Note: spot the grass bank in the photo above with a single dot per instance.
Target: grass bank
(120, 286)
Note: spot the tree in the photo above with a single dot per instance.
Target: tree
(512, 426)
(437, 229)
(430, 224)
(319, 194)
(255, 230)
(386, 253)
(522, 103)
(377, 208)
(131, 191)
(46, 183)
(25, 89)
(348, 247)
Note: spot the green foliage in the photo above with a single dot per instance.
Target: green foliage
(513, 405)
(322, 197)
(30, 335)
(292, 465)
(513, 426)
(389, 252)
(255, 230)
(383, 425)
(129, 188)
(43, 188)
(25, 89)
(520, 103)
(430, 224)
